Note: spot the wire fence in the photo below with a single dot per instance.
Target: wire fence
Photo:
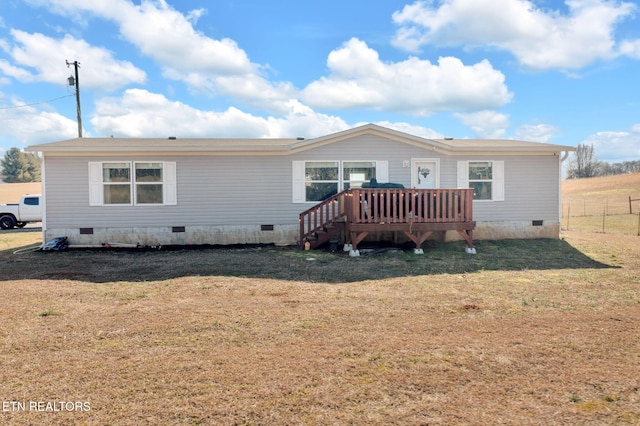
(610, 216)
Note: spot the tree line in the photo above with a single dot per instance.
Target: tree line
(584, 164)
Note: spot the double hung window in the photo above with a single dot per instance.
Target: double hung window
(132, 183)
(486, 178)
(318, 180)
(322, 179)
(355, 173)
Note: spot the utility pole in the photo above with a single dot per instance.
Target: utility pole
(74, 82)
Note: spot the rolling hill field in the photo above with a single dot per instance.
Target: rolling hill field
(601, 204)
(598, 193)
(11, 192)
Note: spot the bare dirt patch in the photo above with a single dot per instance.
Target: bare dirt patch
(526, 332)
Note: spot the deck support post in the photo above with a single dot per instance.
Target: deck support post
(467, 234)
(418, 238)
(356, 238)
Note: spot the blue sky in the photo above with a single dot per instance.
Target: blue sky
(563, 72)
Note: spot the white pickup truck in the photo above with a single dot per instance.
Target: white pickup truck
(28, 210)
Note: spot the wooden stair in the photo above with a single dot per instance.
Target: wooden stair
(417, 213)
(322, 222)
(325, 234)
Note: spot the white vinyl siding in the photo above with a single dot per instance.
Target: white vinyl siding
(494, 179)
(147, 183)
(300, 182)
(238, 190)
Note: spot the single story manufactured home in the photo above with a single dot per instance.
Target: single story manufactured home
(178, 191)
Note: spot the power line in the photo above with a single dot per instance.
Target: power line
(36, 103)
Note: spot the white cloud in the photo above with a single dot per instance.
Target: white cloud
(15, 72)
(253, 90)
(140, 113)
(29, 125)
(37, 57)
(301, 121)
(185, 50)
(538, 38)
(536, 132)
(359, 79)
(161, 33)
(630, 48)
(616, 147)
(411, 129)
(204, 64)
(486, 124)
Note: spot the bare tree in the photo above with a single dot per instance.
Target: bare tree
(583, 163)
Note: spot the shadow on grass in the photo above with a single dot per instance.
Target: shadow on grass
(112, 265)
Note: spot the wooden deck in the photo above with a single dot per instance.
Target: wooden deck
(416, 212)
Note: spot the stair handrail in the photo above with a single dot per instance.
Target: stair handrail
(321, 215)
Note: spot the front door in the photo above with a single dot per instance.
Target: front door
(425, 173)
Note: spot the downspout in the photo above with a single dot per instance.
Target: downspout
(43, 198)
(565, 155)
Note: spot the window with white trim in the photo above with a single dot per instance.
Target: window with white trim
(355, 173)
(486, 178)
(132, 183)
(322, 179)
(315, 181)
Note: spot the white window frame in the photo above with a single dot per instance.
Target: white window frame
(96, 183)
(344, 180)
(299, 176)
(497, 181)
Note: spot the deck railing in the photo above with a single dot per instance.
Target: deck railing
(388, 206)
(409, 205)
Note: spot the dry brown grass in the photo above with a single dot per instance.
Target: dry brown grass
(601, 204)
(539, 332)
(627, 184)
(593, 196)
(11, 192)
